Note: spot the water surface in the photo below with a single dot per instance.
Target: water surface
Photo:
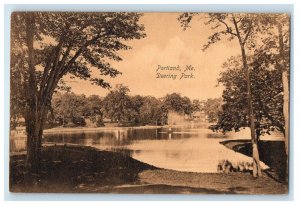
(178, 148)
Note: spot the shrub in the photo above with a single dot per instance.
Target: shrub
(226, 166)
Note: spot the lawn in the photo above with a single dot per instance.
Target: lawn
(77, 169)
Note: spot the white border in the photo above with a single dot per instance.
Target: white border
(296, 84)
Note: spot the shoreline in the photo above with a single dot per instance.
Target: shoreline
(94, 129)
(107, 129)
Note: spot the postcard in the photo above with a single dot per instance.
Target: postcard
(149, 103)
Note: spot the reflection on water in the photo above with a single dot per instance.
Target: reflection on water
(180, 148)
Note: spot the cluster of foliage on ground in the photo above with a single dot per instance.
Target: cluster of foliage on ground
(226, 166)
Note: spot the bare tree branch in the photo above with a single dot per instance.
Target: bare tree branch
(228, 28)
(247, 35)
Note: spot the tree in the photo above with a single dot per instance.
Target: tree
(197, 106)
(69, 108)
(93, 110)
(276, 29)
(137, 102)
(56, 44)
(176, 103)
(212, 108)
(240, 27)
(284, 65)
(17, 100)
(117, 104)
(267, 96)
(152, 112)
(283, 62)
(93, 106)
(187, 106)
(173, 102)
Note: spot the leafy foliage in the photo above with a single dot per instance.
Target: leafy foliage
(117, 104)
(70, 43)
(227, 25)
(120, 107)
(69, 108)
(152, 112)
(246, 29)
(267, 96)
(212, 108)
(54, 44)
(176, 103)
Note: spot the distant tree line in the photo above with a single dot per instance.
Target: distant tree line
(118, 106)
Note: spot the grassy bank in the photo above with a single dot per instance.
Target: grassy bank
(85, 169)
(271, 153)
(69, 168)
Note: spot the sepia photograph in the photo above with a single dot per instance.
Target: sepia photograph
(149, 103)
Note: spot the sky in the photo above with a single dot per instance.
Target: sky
(167, 45)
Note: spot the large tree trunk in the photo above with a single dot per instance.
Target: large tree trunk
(33, 113)
(35, 125)
(36, 106)
(285, 84)
(255, 154)
(286, 118)
(34, 137)
(35, 120)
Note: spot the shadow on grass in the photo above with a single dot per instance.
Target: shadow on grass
(65, 167)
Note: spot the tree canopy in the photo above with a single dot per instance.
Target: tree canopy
(212, 108)
(72, 43)
(46, 46)
(267, 96)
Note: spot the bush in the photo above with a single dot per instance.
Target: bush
(78, 121)
(226, 166)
